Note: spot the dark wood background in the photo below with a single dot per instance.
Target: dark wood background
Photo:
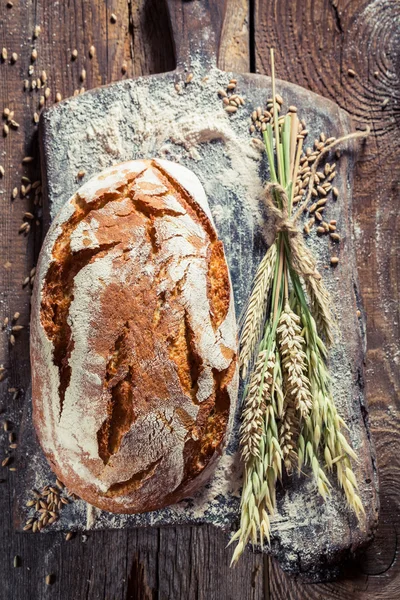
(316, 42)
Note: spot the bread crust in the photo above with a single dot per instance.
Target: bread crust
(133, 339)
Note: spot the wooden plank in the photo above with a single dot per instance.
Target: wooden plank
(316, 42)
(234, 46)
(376, 171)
(197, 566)
(140, 564)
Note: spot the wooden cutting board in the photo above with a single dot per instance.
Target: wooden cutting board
(180, 116)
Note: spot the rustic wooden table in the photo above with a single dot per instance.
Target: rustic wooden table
(316, 42)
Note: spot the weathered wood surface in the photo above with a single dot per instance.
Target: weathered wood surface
(314, 47)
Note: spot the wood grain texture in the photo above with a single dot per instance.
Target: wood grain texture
(233, 52)
(144, 564)
(316, 43)
(204, 21)
(218, 32)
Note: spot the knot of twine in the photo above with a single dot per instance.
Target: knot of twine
(283, 222)
(302, 259)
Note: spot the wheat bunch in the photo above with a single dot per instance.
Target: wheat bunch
(256, 309)
(288, 412)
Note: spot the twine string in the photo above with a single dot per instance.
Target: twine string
(302, 259)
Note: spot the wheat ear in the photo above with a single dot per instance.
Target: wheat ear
(303, 262)
(337, 453)
(294, 365)
(258, 395)
(256, 309)
(251, 428)
(320, 308)
(323, 428)
(263, 468)
(287, 437)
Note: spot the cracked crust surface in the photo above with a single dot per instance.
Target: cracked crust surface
(134, 339)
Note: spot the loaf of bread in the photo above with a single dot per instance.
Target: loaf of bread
(133, 339)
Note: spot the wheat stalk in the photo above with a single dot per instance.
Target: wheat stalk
(294, 366)
(256, 309)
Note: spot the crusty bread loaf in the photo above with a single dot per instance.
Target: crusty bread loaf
(133, 339)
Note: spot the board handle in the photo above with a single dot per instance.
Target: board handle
(196, 29)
